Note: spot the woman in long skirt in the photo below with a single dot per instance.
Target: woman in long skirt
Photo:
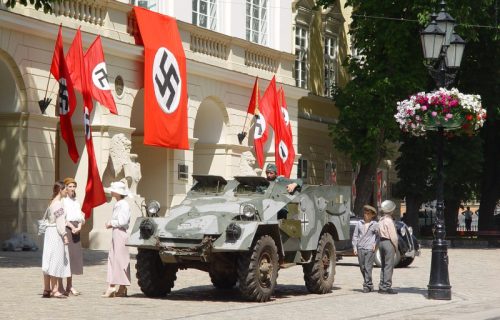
(55, 260)
(74, 222)
(119, 258)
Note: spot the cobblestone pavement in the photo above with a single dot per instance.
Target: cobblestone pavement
(474, 276)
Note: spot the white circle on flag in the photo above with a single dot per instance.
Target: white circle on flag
(283, 151)
(100, 76)
(260, 126)
(285, 115)
(167, 81)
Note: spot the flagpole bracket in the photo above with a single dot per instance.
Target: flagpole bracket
(44, 104)
(241, 136)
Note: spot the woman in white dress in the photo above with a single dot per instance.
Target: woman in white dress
(55, 260)
(119, 257)
(74, 222)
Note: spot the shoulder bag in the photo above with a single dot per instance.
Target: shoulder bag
(43, 223)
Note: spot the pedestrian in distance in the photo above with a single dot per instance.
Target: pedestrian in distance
(468, 218)
(118, 277)
(364, 242)
(55, 257)
(388, 246)
(74, 222)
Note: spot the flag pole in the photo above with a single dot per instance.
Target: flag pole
(44, 103)
(243, 134)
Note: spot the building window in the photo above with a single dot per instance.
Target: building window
(205, 14)
(302, 169)
(182, 171)
(148, 4)
(330, 172)
(301, 48)
(330, 72)
(257, 21)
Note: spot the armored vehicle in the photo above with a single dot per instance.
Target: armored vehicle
(242, 232)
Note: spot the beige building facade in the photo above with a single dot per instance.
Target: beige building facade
(221, 72)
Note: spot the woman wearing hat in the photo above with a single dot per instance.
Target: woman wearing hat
(119, 257)
(74, 222)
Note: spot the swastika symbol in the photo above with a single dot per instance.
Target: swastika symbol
(167, 80)
(283, 151)
(63, 97)
(100, 77)
(86, 120)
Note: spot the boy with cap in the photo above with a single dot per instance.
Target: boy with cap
(364, 240)
(388, 246)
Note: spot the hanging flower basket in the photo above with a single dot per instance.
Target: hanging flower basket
(449, 109)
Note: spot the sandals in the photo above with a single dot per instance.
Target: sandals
(46, 294)
(72, 291)
(122, 292)
(58, 295)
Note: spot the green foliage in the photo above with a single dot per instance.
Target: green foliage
(390, 69)
(46, 4)
(382, 75)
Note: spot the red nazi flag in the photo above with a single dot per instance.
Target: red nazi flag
(97, 76)
(165, 81)
(66, 96)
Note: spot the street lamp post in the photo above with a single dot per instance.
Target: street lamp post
(443, 50)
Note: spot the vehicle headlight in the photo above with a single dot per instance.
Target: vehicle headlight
(233, 232)
(249, 211)
(147, 228)
(153, 207)
(403, 231)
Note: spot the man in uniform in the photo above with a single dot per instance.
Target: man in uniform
(272, 175)
(291, 184)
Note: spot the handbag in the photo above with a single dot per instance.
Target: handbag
(43, 223)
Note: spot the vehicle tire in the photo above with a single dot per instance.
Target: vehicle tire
(319, 274)
(258, 270)
(378, 262)
(155, 278)
(405, 263)
(223, 271)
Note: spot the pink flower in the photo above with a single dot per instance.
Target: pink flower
(423, 108)
(449, 116)
(434, 113)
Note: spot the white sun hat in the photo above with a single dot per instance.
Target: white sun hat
(118, 187)
(388, 206)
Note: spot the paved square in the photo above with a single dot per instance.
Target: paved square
(474, 276)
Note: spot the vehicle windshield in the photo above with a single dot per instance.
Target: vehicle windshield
(248, 185)
(208, 184)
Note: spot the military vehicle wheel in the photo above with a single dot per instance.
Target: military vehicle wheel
(223, 271)
(319, 274)
(223, 280)
(405, 263)
(258, 271)
(378, 261)
(154, 278)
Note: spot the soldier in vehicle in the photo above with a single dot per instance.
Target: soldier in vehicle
(295, 184)
(272, 175)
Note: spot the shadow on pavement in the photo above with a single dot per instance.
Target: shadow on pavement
(27, 259)
(209, 293)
